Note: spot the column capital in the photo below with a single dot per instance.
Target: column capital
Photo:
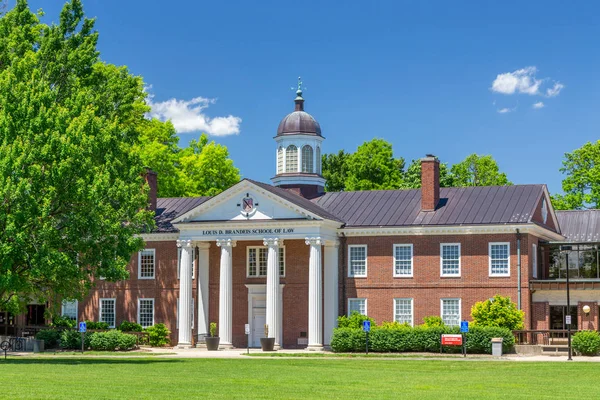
(332, 243)
(185, 243)
(272, 242)
(203, 245)
(313, 241)
(226, 243)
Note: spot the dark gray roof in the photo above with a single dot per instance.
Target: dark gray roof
(299, 122)
(457, 206)
(580, 225)
(169, 208)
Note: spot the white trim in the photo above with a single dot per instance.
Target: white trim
(350, 275)
(357, 298)
(490, 244)
(442, 260)
(534, 259)
(153, 264)
(139, 309)
(412, 309)
(459, 308)
(412, 257)
(159, 237)
(114, 301)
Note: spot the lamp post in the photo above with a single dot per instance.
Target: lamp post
(586, 311)
(566, 250)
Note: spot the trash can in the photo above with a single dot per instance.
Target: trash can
(38, 346)
(497, 346)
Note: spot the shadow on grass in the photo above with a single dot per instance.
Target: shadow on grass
(87, 361)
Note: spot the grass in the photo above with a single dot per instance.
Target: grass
(127, 378)
(50, 353)
(361, 355)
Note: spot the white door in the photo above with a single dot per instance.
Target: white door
(258, 326)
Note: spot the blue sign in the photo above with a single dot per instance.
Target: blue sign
(464, 326)
(366, 326)
(82, 327)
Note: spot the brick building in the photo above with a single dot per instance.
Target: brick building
(293, 257)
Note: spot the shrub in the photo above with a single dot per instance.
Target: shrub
(355, 320)
(158, 335)
(127, 341)
(499, 311)
(63, 322)
(587, 342)
(96, 325)
(71, 339)
(479, 339)
(127, 326)
(49, 336)
(213, 329)
(433, 321)
(112, 340)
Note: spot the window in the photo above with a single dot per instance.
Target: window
(450, 259)
(307, 159)
(179, 263)
(146, 312)
(451, 312)
(291, 159)
(146, 264)
(318, 160)
(69, 309)
(280, 160)
(257, 262)
(403, 311)
(358, 305)
(403, 260)
(499, 259)
(108, 312)
(357, 259)
(534, 263)
(192, 319)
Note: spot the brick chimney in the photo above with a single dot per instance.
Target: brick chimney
(151, 179)
(430, 182)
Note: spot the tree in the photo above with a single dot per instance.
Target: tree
(499, 311)
(335, 171)
(582, 183)
(478, 170)
(71, 188)
(412, 176)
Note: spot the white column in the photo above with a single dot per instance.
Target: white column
(225, 293)
(331, 297)
(202, 282)
(185, 294)
(315, 295)
(273, 306)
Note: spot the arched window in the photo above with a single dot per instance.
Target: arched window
(280, 160)
(318, 160)
(291, 159)
(307, 159)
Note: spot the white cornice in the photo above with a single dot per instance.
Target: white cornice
(159, 237)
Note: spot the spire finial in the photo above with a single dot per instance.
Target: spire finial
(299, 91)
(299, 100)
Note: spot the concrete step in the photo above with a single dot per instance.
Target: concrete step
(554, 350)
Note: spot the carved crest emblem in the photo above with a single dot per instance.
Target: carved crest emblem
(247, 204)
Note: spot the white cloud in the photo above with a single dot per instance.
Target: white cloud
(189, 116)
(520, 81)
(538, 105)
(555, 90)
(506, 110)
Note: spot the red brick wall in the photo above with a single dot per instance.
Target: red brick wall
(430, 183)
(590, 321)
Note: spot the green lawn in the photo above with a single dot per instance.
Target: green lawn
(135, 378)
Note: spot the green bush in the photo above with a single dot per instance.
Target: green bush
(112, 340)
(127, 326)
(433, 321)
(96, 325)
(158, 335)
(479, 339)
(63, 322)
(587, 342)
(49, 336)
(127, 341)
(499, 311)
(355, 320)
(71, 339)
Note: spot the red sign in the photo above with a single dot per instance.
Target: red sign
(451, 340)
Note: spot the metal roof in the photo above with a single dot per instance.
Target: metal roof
(299, 122)
(457, 206)
(169, 208)
(580, 225)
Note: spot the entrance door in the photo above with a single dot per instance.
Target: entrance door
(258, 326)
(557, 319)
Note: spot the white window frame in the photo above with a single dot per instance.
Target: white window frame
(534, 261)
(179, 263)
(412, 309)
(177, 314)
(114, 301)
(153, 264)
(258, 250)
(62, 308)
(412, 256)
(139, 309)
(490, 259)
(350, 247)
(442, 260)
(459, 309)
(355, 299)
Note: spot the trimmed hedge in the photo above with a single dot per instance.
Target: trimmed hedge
(587, 342)
(71, 339)
(417, 339)
(112, 340)
(49, 336)
(127, 326)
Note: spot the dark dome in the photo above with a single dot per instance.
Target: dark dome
(299, 122)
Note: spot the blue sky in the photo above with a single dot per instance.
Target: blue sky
(448, 78)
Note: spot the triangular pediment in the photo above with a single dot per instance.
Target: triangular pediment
(246, 201)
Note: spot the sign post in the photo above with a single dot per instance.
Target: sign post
(247, 331)
(464, 328)
(82, 329)
(367, 329)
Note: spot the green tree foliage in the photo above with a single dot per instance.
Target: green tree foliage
(70, 186)
(412, 176)
(335, 171)
(501, 312)
(476, 170)
(373, 167)
(201, 169)
(354, 321)
(581, 185)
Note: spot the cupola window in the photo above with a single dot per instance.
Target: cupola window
(280, 160)
(318, 160)
(291, 159)
(307, 159)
